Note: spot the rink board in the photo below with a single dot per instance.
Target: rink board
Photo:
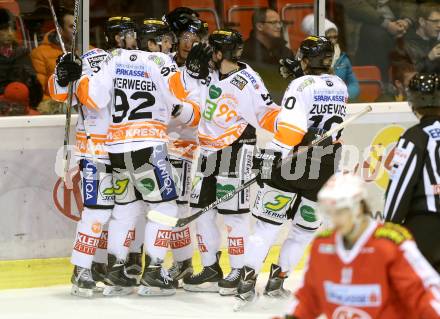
(38, 215)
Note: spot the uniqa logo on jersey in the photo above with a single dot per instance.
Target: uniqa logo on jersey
(376, 167)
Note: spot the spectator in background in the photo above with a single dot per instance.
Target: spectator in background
(382, 22)
(45, 55)
(341, 63)
(401, 72)
(265, 43)
(20, 91)
(422, 45)
(264, 49)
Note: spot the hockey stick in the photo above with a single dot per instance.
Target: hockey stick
(70, 87)
(180, 222)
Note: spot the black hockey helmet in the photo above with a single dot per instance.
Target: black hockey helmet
(424, 91)
(184, 19)
(154, 30)
(317, 50)
(227, 41)
(117, 26)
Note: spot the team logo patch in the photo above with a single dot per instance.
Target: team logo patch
(235, 245)
(201, 244)
(162, 238)
(305, 84)
(181, 238)
(214, 92)
(103, 240)
(222, 190)
(157, 60)
(353, 295)
(308, 214)
(86, 244)
(329, 83)
(133, 57)
(119, 188)
(239, 81)
(131, 235)
(148, 185)
(97, 227)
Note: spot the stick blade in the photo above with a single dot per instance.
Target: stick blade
(160, 218)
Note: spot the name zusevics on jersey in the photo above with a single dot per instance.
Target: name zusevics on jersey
(330, 108)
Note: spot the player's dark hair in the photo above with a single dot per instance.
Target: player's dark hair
(260, 15)
(61, 14)
(424, 10)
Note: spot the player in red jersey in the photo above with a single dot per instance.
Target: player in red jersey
(361, 268)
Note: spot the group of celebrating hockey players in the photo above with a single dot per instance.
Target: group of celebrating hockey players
(166, 88)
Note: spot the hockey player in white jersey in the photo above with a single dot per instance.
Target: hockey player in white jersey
(91, 236)
(235, 102)
(188, 30)
(142, 87)
(311, 104)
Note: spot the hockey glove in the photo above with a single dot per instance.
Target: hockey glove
(313, 134)
(68, 69)
(266, 161)
(197, 63)
(290, 67)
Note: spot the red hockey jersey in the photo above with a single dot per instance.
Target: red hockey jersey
(383, 276)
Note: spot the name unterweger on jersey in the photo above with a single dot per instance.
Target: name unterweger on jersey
(135, 84)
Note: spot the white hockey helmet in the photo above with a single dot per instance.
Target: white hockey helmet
(342, 190)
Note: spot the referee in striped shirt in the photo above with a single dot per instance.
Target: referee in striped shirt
(413, 193)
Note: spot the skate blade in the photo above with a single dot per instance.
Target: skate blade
(99, 287)
(205, 287)
(278, 294)
(227, 291)
(81, 292)
(155, 291)
(111, 291)
(241, 303)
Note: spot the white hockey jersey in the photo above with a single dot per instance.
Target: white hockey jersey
(230, 104)
(141, 88)
(310, 101)
(183, 138)
(97, 120)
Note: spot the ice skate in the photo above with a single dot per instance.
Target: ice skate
(228, 286)
(246, 289)
(82, 282)
(274, 287)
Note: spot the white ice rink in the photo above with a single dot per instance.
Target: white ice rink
(57, 303)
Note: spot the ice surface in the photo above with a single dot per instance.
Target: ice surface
(57, 303)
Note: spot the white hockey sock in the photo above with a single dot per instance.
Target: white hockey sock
(101, 250)
(259, 243)
(122, 226)
(136, 244)
(157, 236)
(237, 227)
(180, 241)
(208, 236)
(88, 234)
(293, 247)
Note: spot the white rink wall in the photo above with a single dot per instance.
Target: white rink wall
(36, 220)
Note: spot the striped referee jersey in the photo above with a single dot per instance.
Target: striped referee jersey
(414, 186)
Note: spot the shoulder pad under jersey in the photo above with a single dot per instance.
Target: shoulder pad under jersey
(393, 232)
